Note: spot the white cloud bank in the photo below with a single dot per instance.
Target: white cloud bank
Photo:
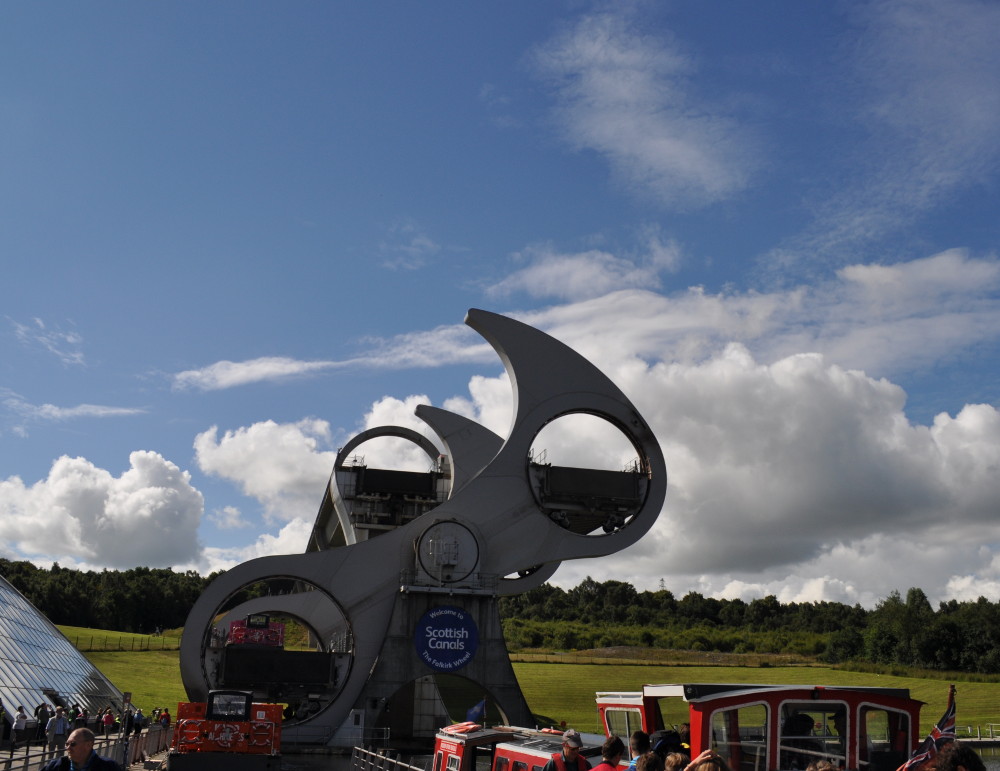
(794, 469)
(790, 473)
(83, 515)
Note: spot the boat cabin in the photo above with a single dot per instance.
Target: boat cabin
(774, 727)
(470, 747)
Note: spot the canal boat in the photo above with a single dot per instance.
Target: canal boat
(773, 727)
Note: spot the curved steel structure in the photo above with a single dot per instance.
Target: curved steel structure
(503, 526)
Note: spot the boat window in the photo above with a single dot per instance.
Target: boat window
(884, 739)
(622, 722)
(670, 711)
(453, 761)
(813, 730)
(501, 763)
(520, 765)
(740, 736)
(437, 760)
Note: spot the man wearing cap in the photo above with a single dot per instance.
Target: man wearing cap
(570, 758)
(80, 755)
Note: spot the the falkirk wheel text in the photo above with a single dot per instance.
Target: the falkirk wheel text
(399, 585)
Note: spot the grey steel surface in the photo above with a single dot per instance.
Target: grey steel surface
(502, 532)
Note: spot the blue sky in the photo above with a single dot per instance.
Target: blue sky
(235, 234)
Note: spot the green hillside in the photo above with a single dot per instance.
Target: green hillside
(565, 691)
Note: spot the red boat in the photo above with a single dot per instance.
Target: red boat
(774, 727)
(468, 747)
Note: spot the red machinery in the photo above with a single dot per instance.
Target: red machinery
(257, 629)
(228, 730)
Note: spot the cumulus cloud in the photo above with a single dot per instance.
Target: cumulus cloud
(284, 466)
(882, 319)
(290, 539)
(805, 480)
(82, 514)
(627, 95)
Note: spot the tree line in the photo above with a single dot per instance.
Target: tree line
(908, 631)
(957, 636)
(138, 600)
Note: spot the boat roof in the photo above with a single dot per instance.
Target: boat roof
(548, 742)
(694, 692)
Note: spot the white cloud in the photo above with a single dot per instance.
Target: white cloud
(291, 539)
(407, 247)
(82, 514)
(627, 95)
(228, 518)
(924, 74)
(65, 346)
(447, 344)
(281, 465)
(229, 374)
(585, 275)
(882, 319)
(805, 480)
(56, 413)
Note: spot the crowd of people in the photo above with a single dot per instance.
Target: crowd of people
(670, 751)
(54, 725)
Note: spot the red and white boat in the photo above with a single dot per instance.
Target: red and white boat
(775, 727)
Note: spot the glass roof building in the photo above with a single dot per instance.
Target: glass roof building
(38, 664)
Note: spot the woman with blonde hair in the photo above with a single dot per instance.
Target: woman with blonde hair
(709, 760)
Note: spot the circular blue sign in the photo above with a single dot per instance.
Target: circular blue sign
(446, 638)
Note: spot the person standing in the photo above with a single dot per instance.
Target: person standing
(638, 744)
(57, 729)
(570, 758)
(41, 718)
(611, 754)
(81, 755)
(20, 727)
(108, 722)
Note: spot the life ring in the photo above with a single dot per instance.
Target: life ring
(261, 734)
(187, 733)
(463, 728)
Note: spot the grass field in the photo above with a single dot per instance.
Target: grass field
(565, 691)
(153, 677)
(558, 692)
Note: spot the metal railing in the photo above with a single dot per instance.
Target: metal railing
(126, 643)
(379, 760)
(33, 755)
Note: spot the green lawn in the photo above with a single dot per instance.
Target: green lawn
(566, 691)
(557, 692)
(153, 677)
(100, 639)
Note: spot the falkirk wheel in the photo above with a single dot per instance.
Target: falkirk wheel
(399, 585)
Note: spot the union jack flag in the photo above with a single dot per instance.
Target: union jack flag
(942, 733)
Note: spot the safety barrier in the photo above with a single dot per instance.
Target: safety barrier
(33, 756)
(379, 760)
